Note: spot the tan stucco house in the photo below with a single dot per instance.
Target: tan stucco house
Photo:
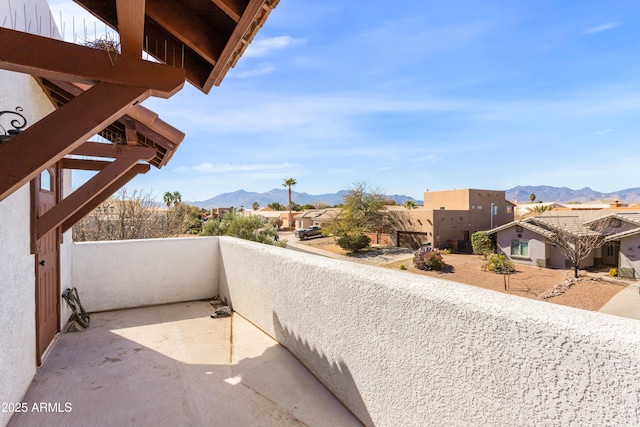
(449, 218)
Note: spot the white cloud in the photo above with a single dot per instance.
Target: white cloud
(264, 46)
(601, 28)
(258, 71)
(602, 132)
(206, 168)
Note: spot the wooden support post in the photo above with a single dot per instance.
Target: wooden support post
(131, 26)
(93, 202)
(76, 200)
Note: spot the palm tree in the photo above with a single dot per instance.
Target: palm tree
(289, 183)
(168, 198)
(255, 206)
(410, 204)
(177, 198)
(532, 197)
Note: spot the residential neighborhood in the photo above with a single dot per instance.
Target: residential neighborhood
(611, 236)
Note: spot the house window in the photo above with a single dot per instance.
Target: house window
(609, 249)
(520, 248)
(519, 229)
(509, 209)
(479, 206)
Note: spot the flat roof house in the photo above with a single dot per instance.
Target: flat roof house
(449, 218)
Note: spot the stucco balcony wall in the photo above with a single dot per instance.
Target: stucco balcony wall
(113, 275)
(395, 348)
(401, 349)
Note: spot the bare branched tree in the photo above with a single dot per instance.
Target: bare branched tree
(576, 240)
(132, 215)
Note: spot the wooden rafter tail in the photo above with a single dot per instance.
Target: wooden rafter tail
(252, 19)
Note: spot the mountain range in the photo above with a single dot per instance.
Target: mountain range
(247, 198)
(544, 193)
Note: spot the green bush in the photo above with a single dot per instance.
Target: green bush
(499, 264)
(403, 267)
(354, 242)
(483, 243)
(245, 227)
(613, 272)
(428, 259)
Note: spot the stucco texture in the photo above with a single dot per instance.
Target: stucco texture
(17, 264)
(630, 254)
(401, 350)
(17, 312)
(134, 273)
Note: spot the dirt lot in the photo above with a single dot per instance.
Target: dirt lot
(529, 282)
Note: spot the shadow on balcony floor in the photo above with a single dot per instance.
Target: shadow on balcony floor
(174, 365)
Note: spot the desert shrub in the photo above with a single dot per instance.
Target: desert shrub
(428, 259)
(235, 224)
(403, 267)
(499, 264)
(613, 272)
(353, 242)
(483, 243)
(445, 251)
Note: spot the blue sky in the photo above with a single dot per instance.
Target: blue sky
(416, 95)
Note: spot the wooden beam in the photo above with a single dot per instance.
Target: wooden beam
(70, 62)
(56, 135)
(232, 9)
(82, 164)
(178, 21)
(76, 200)
(98, 149)
(95, 201)
(130, 132)
(131, 26)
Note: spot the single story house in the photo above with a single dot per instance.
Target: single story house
(606, 234)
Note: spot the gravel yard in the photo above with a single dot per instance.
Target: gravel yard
(590, 293)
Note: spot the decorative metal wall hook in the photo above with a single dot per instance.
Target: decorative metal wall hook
(11, 124)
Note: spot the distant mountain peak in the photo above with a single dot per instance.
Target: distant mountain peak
(280, 195)
(546, 193)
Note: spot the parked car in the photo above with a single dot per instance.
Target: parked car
(305, 233)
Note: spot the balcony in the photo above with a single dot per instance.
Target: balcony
(393, 348)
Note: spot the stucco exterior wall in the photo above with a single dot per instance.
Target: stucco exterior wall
(465, 212)
(537, 245)
(132, 273)
(17, 305)
(400, 349)
(630, 254)
(17, 264)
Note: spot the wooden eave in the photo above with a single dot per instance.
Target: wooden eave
(150, 130)
(206, 38)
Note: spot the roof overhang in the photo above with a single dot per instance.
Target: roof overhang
(140, 126)
(206, 38)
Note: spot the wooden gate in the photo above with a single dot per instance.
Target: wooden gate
(47, 249)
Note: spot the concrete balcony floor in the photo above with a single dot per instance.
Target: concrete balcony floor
(174, 365)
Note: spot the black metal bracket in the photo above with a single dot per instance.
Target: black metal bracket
(14, 123)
